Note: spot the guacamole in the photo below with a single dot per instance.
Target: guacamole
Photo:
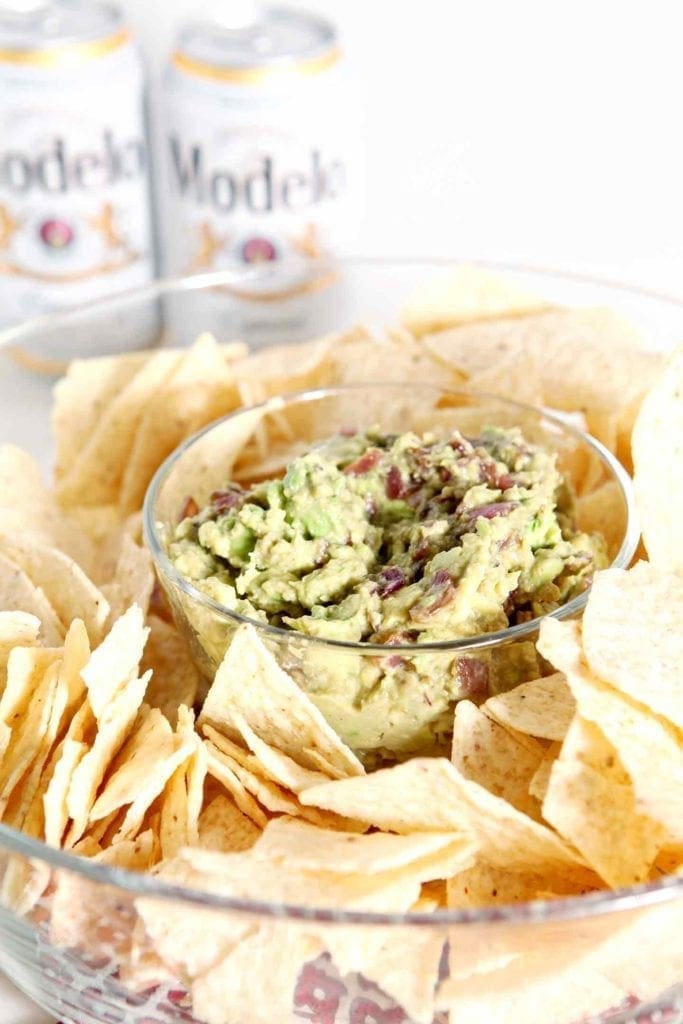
(393, 540)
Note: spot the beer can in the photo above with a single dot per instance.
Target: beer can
(75, 218)
(258, 154)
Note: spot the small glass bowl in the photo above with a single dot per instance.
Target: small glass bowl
(387, 702)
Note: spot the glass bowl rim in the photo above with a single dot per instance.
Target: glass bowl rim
(146, 884)
(16, 333)
(138, 884)
(483, 641)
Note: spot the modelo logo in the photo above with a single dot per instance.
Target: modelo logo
(264, 189)
(57, 170)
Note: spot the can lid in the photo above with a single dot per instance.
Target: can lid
(27, 26)
(244, 40)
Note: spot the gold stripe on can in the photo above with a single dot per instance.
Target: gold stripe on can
(71, 53)
(255, 75)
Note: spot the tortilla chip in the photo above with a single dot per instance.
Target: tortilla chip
(542, 708)
(290, 367)
(223, 827)
(485, 886)
(26, 668)
(27, 507)
(142, 769)
(130, 854)
(645, 666)
(587, 360)
(133, 580)
(269, 794)
(462, 294)
(175, 679)
(649, 748)
(538, 786)
(276, 765)
(18, 593)
(184, 791)
(81, 398)
(113, 726)
(535, 988)
(200, 389)
(250, 681)
(115, 662)
(403, 962)
(428, 794)
(210, 462)
(221, 768)
(657, 485)
(96, 474)
(305, 846)
(603, 511)
(69, 591)
(590, 801)
(28, 733)
(17, 629)
(488, 754)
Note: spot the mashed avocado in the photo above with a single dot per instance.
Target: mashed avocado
(396, 539)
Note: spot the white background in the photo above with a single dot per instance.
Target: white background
(547, 132)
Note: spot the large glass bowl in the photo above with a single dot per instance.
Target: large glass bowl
(406, 689)
(617, 955)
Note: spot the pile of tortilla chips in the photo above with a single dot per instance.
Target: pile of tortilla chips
(570, 784)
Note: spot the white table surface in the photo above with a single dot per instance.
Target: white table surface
(15, 1008)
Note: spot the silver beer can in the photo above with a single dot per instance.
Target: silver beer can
(75, 218)
(258, 156)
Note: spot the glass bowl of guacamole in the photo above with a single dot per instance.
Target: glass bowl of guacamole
(394, 546)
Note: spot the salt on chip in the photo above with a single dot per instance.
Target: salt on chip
(542, 708)
(657, 484)
(645, 666)
(68, 589)
(250, 681)
(18, 593)
(486, 753)
(175, 679)
(462, 294)
(223, 827)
